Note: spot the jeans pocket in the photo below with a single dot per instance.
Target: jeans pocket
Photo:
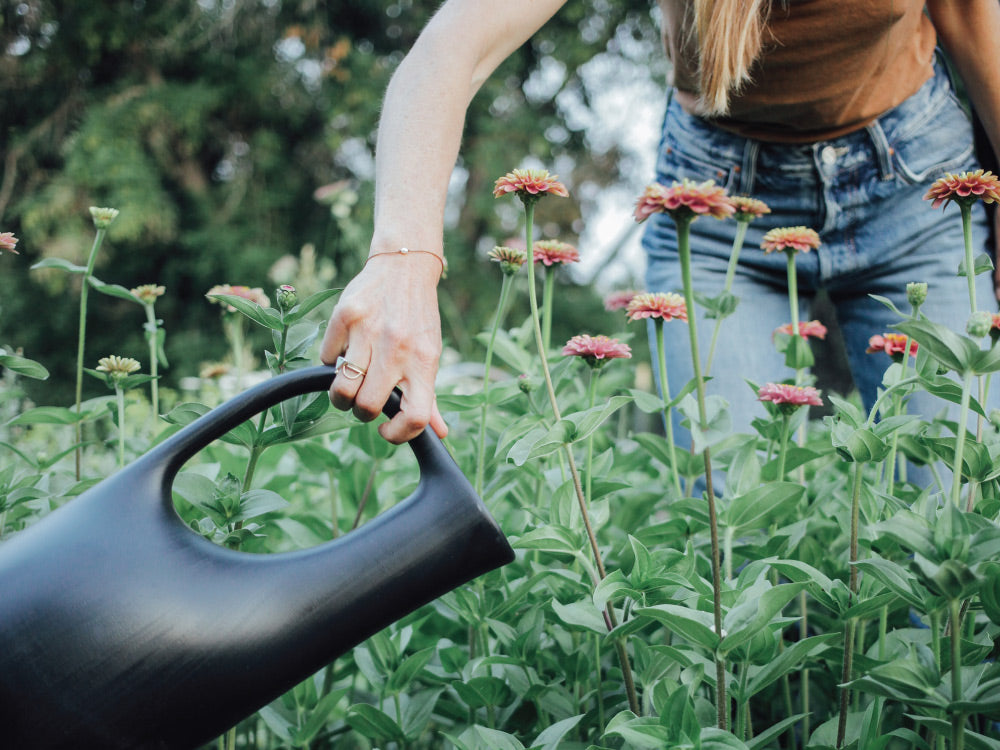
(694, 150)
(940, 141)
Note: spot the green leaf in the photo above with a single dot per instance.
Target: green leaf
(954, 351)
(61, 264)
(307, 305)
(641, 732)
(552, 735)
(477, 738)
(792, 658)
(647, 402)
(582, 614)
(265, 317)
(754, 613)
(861, 445)
(408, 670)
(509, 351)
(989, 593)
(29, 368)
(691, 624)
(888, 303)
(549, 539)
(49, 415)
(112, 290)
(766, 504)
(373, 723)
(798, 353)
(717, 425)
(258, 502)
(981, 264)
(479, 692)
(186, 413)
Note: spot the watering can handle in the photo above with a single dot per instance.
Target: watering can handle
(183, 445)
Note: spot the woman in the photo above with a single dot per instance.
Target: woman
(746, 112)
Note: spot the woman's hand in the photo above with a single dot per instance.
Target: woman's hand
(386, 322)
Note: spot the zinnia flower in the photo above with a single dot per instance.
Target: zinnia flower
(552, 252)
(791, 395)
(147, 293)
(8, 242)
(664, 305)
(117, 367)
(892, 344)
(812, 328)
(287, 297)
(596, 350)
(529, 184)
(255, 295)
(619, 300)
(747, 208)
(103, 216)
(967, 188)
(509, 258)
(213, 370)
(794, 239)
(684, 199)
(995, 330)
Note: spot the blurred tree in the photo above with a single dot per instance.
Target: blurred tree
(232, 133)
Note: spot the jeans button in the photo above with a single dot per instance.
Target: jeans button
(828, 155)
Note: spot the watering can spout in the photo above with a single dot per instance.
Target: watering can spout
(122, 628)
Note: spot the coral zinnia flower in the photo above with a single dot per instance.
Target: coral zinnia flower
(551, 252)
(684, 199)
(619, 300)
(794, 239)
(117, 367)
(255, 295)
(509, 258)
(812, 328)
(747, 208)
(967, 188)
(529, 184)
(8, 242)
(891, 343)
(792, 395)
(995, 330)
(147, 293)
(596, 350)
(664, 305)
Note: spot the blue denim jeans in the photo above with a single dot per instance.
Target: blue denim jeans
(863, 193)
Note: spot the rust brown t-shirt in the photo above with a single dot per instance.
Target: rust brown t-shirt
(827, 66)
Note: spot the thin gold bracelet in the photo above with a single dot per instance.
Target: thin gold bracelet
(407, 251)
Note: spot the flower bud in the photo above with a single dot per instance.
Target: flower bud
(916, 293)
(525, 383)
(103, 216)
(995, 418)
(286, 296)
(979, 324)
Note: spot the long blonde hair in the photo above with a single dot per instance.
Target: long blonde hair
(730, 36)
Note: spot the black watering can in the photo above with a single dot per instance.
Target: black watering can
(120, 627)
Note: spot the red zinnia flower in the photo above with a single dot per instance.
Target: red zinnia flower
(619, 300)
(8, 242)
(529, 183)
(796, 239)
(748, 209)
(967, 188)
(664, 305)
(793, 395)
(684, 199)
(596, 350)
(891, 343)
(551, 252)
(812, 328)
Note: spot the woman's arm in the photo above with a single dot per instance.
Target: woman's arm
(970, 32)
(386, 319)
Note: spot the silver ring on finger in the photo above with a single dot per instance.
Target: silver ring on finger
(350, 370)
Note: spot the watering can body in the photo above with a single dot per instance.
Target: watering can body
(122, 628)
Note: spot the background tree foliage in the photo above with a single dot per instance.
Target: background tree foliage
(212, 124)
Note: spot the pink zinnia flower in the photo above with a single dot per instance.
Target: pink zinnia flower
(686, 198)
(619, 300)
(892, 344)
(795, 239)
(967, 188)
(663, 305)
(596, 350)
(747, 208)
(812, 328)
(8, 242)
(255, 295)
(529, 183)
(792, 395)
(552, 252)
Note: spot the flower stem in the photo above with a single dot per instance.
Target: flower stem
(529, 215)
(589, 466)
(957, 718)
(154, 360)
(734, 255)
(853, 586)
(548, 288)
(970, 275)
(661, 358)
(501, 310)
(783, 448)
(963, 414)
(120, 401)
(81, 338)
(684, 251)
